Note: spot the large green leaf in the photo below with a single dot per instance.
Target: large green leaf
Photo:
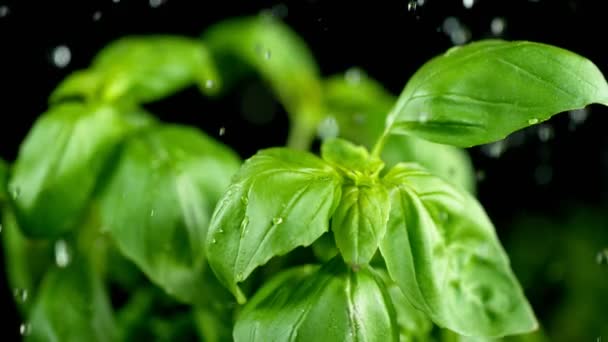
(60, 162)
(72, 305)
(442, 251)
(279, 200)
(143, 69)
(273, 50)
(158, 201)
(327, 304)
(483, 91)
(360, 105)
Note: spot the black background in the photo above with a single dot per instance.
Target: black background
(385, 39)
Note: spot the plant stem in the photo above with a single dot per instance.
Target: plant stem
(379, 146)
(301, 133)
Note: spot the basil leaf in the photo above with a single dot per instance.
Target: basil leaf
(60, 162)
(326, 304)
(3, 181)
(72, 305)
(442, 251)
(359, 222)
(279, 200)
(26, 261)
(352, 160)
(272, 49)
(360, 107)
(483, 91)
(157, 203)
(143, 69)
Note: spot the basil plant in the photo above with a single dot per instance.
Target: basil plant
(377, 237)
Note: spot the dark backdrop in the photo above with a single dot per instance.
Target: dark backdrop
(389, 40)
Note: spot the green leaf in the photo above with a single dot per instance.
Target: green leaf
(60, 161)
(483, 91)
(270, 48)
(442, 251)
(279, 200)
(3, 181)
(359, 222)
(360, 106)
(352, 160)
(158, 201)
(143, 69)
(26, 261)
(72, 305)
(326, 304)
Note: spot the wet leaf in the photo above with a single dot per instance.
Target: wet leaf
(483, 91)
(60, 162)
(442, 251)
(329, 303)
(279, 200)
(158, 201)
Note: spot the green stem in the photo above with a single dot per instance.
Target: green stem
(379, 146)
(301, 134)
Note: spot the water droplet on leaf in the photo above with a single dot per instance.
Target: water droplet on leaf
(25, 329)
(423, 117)
(214, 241)
(152, 213)
(62, 253)
(532, 121)
(61, 56)
(16, 192)
(21, 295)
(277, 220)
(209, 84)
(602, 257)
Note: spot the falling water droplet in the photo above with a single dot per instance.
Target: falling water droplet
(96, 15)
(61, 56)
(412, 5)
(25, 329)
(495, 149)
(21, 295)
(62, 253)
(497, 26)
(210, 84)
(577, 117)
(115, 1)
(532, 121)
(277, 220)
(602, 256)
(545, 132)
(222, 131)
(468, 3)
(4, 11)
(353, 76)
(156, 3)
(458, 32)
(328, 128)
(480, 175)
